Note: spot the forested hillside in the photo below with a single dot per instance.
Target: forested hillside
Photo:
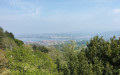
(100, 57)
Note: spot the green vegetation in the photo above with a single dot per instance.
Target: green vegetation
(100, 57)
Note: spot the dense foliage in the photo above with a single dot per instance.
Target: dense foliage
(100, 57)
(17, 58)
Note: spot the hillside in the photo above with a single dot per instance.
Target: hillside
(99, 57)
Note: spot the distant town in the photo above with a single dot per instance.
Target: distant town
(61, 38)
(45, 42)
(51, 39)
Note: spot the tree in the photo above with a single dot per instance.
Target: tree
(3, 63)
(108, 69)
(18, 42)
(71, 57)
(8, 43)
(84, 67)
(41, 48)
(58, 64)
(1, 36)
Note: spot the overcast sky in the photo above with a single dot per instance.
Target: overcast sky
(58, 16)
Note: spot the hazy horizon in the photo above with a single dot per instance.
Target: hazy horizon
(63, 16)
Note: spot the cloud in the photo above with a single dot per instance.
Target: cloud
(116, 11)
(36, 12)
(101, 1)
(21, 8)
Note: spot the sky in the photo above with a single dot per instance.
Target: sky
(59, 16)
